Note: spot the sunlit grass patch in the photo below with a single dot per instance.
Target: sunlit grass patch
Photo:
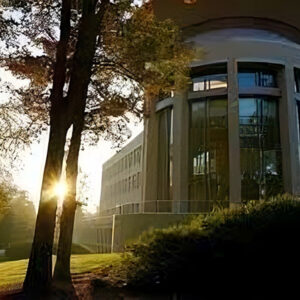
(92, 262)
(12, 273)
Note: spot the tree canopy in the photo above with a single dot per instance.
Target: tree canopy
(134, 53)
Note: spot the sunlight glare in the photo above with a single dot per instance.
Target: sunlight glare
(60, 189)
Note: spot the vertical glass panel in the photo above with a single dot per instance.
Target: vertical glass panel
(260, 148)
(165, 141)
(297, 80)
(208, 182)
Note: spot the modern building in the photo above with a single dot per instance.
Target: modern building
(121, 189)
(234, 134)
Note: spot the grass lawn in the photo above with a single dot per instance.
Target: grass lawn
(12, 273)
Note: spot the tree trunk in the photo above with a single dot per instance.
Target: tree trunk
(39, 271)
(80, 79)
(62, 267)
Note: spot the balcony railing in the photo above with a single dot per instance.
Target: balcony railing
(165, 207)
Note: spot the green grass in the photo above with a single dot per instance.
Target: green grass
(91, 262)
(12, 273)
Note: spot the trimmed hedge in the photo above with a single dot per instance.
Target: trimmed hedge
(253, 250)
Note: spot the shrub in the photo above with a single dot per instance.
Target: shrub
(243, 248)
(18, 251)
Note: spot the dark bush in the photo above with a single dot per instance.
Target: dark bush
(18, 251)
(253, 249)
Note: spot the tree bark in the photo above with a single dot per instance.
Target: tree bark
(63, 114)
(62, 267)
(80, 79)
(39, 271)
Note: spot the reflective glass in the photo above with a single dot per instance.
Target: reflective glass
(260, 148)
(250, 79)
(209, 82)
(297, 80)
(208, 182)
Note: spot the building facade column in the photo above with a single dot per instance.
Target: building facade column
(233, 134)
(289, 131)
(180, 152)
(150, 156)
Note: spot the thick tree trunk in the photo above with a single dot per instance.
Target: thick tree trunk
(39, 271)
(62, 267)
(80, 79)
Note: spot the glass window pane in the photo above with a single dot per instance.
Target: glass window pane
(250, 79)
(218, 113)
(297, 80)
(218, 83)
(199, 86)
(246, 80)
(208, 154)
(248, 107)
(209, 82)
(261, 173)
(198, 118)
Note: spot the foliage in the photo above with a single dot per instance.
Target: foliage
(6, 194)
(151, 51)
(135, 53)
(18, 219)
(258, 240)
(18, 251)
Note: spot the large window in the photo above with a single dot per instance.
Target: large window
(260, 148)
(209, 82)
(208, 182)
(250, 79)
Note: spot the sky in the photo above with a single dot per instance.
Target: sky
(28, 175)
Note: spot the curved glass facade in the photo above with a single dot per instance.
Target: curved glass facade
(236, 127)
(259, 137)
